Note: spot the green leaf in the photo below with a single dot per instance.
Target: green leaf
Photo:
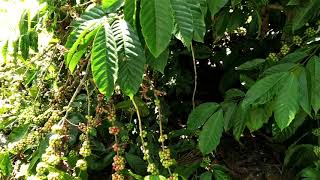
(156, 18)
(293, 3)
(24, 23)
(310, 173)
(136, 163)
(258, 116)
(304, 96)
(211, 133)
(111, 6)
(313, 69)
(219, 173)
(249, 65)
(264, 90)
(206, 176)
(278, 68)
(281, 136)
(4, 51)
(5, 164)
(294, 57)
(216, 5)
(158, 63)
(235, 2)
(239, 121)
(234, 95)
(301, 155)
(24, 46)
(33, 38)
(131, 57)
(155, 177)
(286, 103)
(199, 26)
(129, 12)
(183, 21)
(18, 133)
(201, 114)
(104, 60)
(229, 108)
(304, 13)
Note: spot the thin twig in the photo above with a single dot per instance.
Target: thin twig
(195, 77)
(75, 95)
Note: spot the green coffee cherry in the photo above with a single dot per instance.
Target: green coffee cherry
(82, 164)
(297, 40)
(310, 32)
(284, 50)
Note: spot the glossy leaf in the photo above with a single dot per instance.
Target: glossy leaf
(131, 57)
(211, 133)
(286, 104)
(199, 26)
(130, 12)
(265, 89)
(183, 21)
(104, 60)
(156, 19)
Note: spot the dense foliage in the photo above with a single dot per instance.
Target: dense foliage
(157, 89)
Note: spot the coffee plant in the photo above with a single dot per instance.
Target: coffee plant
(162, 89)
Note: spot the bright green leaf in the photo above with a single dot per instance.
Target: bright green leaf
(104, 60)
(131, 57)
(199, 26)
(155, 177)
(211, 133)
(304, 96)
(129, 12)
(286, 103)
(278, 68)
(258, 116)
(5, 164)
(156, 19)
(294, 57)
(18, 133)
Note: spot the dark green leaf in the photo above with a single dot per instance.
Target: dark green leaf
(301, 155)
(206, 176)
(136, 163)
(18, 133)
(216, 5)
(313, 69)
(158, 63)
(199, 26)
(211, 133)
(278, 68)
(201, 114)
(129, 12)
(251, 64)
(294, 57)
(239, 121)
(4, 51)
(258, 116)
(24, 46)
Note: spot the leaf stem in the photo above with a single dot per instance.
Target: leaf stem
(195, 77)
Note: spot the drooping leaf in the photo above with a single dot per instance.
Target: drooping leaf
(156, 18)
(310, 173)
(4, 51)
(230, 108)
(206, 176)
(211, 133)
(286, 133)
(24, 23)
(220, 173)
(216, 5)
(129, 12)
(24, 46)
(158, 63)
(18, 133)
(264, 90)
(303, 13)
(251, 64)
(313, 69)
(301, 155)
(286, 104)
(199, 26)
(258, 116)
(136, 163)
(304, 96)
(131, 57)
(33, 38)
(183, 21)
(104, 60)
(5, 164)
(239, 121)
(201, 114)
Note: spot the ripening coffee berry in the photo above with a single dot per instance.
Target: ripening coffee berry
(114, 130)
